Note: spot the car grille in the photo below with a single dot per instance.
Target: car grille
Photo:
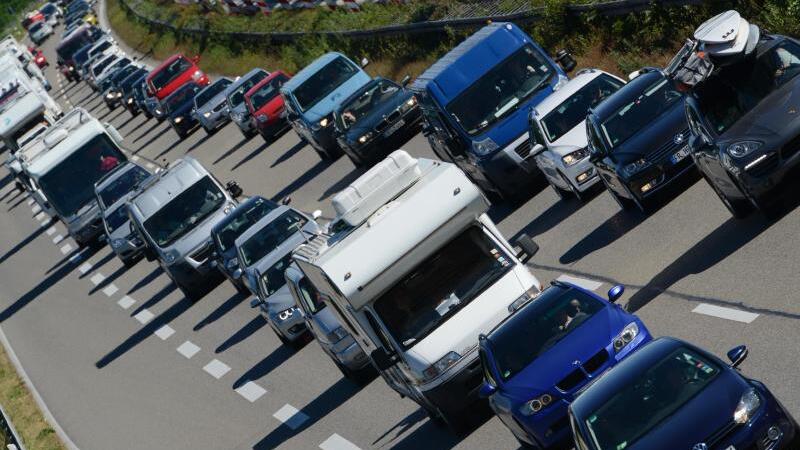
(524, 149)
(578, 376)
(667, 149)
(765, 166)
(203, 253)
(388, 120)
(219, 107)
(720, 434)
(791, 148)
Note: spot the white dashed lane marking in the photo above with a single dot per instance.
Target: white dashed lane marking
(85, 268)
(41, 216)
(188, 349)
(290, 416)
(164, 332)
(336, 442)
(150, 166)
(97, 278)
(50, 231)
(30, 201)
(725, 313)
(251, 391)
(216, 368)
(110, 290)
(66, 248)
(36, 209)
(590, 285)
(126, 302)
(58, 239)
(144, 316)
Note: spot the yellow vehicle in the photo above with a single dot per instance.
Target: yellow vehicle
(90, 18)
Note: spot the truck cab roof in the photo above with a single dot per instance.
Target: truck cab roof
(56, 143)
(181, 174)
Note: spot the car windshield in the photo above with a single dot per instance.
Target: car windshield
(738, 88)
(370, 97)
(273, 278)
(267, 92)
(128, 82)
(503, 89)
(99, 48)
(123, 73)
(323, 82)
(539, 326)
(650, 399)
(210, 92)
(236, 96)
(70, 184)
(441, 285)
(572, 111)
(103, 64)
(242, 218)
(640, 112)
(121, 185)
(181, 97)
(270, 237)
(67, 48)
(117, 218)
(184, 212)
(35, 27)
(174, 69)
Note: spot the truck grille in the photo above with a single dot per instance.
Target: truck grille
(203, 253)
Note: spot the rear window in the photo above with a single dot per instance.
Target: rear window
(170, 72)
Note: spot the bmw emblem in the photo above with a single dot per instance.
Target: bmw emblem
(700, 446)
(678, 140)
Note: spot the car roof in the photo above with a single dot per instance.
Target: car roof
(238, 211)
(266, 80)
(576, 83)
(258, 226)
(626, 94)
(167, 62)
(182, 174)
(310, 70)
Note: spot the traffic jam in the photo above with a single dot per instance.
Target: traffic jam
(411, 282)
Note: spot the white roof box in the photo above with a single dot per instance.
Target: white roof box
(727, 34)
(379, 185)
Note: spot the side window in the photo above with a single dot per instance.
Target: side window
(486, 372)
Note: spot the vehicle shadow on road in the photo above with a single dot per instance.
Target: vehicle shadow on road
(153, 139)
(135, 122)
(558, 212)
(157, 297)
(66, 258)
(342, 183)
(245, 332)
(231, 150)
(9, 198)
(301, 180)
(280, 355)
(433, 436)
(110, 278)
(146, 280)
(251, 155)
(120, 111)
(10, 208)
(13, 250)
(332, 398)
(155, 125)
(221, 310)
(289, 153)
(100, 263)
(172, 146)
(197, 144)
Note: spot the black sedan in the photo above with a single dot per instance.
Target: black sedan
(127, 87)
(746, 124)
(638, 138)
(178, 108)
(376, 120)
(110, 86)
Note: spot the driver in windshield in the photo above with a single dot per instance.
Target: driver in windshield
(571, 316)
(108, 162)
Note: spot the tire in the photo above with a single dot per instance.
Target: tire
(623, 203)
(191, 294)
(241, 288)
(739, 209)
(525, 445)
(347, 373)
(560, 193)
(358, 162)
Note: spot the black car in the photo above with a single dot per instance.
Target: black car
(376, 120)
(225, 232)
(139, 97)
(128, 89)
(178, 108)
(746, 125)
(111, 92)
(638, 138)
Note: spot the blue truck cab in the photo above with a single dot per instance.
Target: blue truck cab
(315, 92)
(475, 101)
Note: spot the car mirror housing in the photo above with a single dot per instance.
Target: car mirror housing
(737, 355)
(615, 293)
(254, 302)
(527, 246)
(237, 274)
(406, 79)
(536, 149)
(487, 390)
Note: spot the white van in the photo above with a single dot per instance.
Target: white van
(416, 270)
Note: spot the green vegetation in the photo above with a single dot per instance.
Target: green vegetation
(11, 12)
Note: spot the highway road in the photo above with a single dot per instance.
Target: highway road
(124, 362)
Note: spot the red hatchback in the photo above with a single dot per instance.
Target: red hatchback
(266, 105)
(173, 73)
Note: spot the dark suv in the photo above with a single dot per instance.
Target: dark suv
(638, 138)
(745, 121)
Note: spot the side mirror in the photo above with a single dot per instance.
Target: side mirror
(382, 359)
(615, 293)
(487, 390)
(234, 189)
(595, 155)
(286, 200)
(316, 214)
(254, 302)
(213, 262)
(528, 248)
(364, 62)
(406, 79)
(237, 274)
(634, 74)
(103, 238)
(737, 355)
(536, 149)
(566, 61)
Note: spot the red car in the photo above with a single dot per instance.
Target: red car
(38, 57)
(32, 18)
(173, 73)
(266, 105)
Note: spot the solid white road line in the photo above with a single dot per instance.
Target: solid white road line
(126, 302)
(188, 349)
(251, 391)
(144, 316)
(216, 368)
(164, 332)
(84, 268)
(590, 285)
(290, 416)
(50, 231)
(66, 248)
(336, 442)
(97, 278)
(110, 290)
(58, 239)
(725, 313)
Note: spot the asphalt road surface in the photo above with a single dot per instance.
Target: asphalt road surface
(124, 362)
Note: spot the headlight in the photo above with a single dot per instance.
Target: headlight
(157, 111)
(365, 137)
(627, 335)
(636, 167)
(337, 334)
(286, 314)
(262, 118)
(408, 104)
(484, 147)
(531, 293)
(197, 75)
(119, 94)
(207, 114)
(71, 69)
(236, 116)
(130, 101)
(534, 406)
(228, 208)
(748, 405)
(110, 95)
(324, 122)
(441, 365)
(573, 158)
(117, 243)
(232, 264)
(743, 148)
(178, 119)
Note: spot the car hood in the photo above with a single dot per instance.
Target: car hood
(649, 139)
(325, 106)
(557, 362)
(200, 234)
(369, 121)
(573, 140)
(775, 120)
(280, 300)
(213, 103)
(241, 108)
(122, 232)
(182, 110)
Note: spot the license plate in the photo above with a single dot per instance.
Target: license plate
(395, 127)
(682, 153)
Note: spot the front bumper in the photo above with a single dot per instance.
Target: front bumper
(654, 178)
(768, 170)
(292, 328)
(349, 354)
(459, 393)
(754, 434)
(245, 125)
(582, 175)
(512, 169)
(88, 231)
(383, 144)
(214, 120)
(130, 249)
(186, 124)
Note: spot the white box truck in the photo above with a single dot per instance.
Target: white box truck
(416, 270)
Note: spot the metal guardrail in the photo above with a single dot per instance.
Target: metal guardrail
(606, 8)
(12, 439)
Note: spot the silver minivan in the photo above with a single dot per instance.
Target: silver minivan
(174, 215)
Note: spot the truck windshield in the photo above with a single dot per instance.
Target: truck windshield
(236, 96)
(210, 92)
(502, 90)
(640, 112)
(368, 98)
(174, 69)
(184, 212)
(270, 237)
(441, 285)
(121, 185)
(738, 88)
(323, 82)
(572, 111)
(70, 184)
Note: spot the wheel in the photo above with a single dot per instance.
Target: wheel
(623, 203)
(240, 287)
(346, 372)
(281, 337)
(128, 263)
(358, 162)
(191, 293)
(559, 192)
(525, 445)
(739, 209)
